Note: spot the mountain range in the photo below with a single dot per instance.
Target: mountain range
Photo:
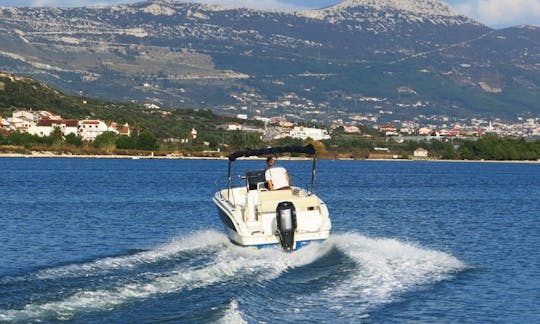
(404, 59)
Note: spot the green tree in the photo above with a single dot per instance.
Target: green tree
(21, 139)
(449, 152)
(147, 141)
(74, 140)
(126, 142)
(465, 152)
(243, 140)
(105, 141)
(287, 141)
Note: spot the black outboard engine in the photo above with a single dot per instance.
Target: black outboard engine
(286, 224)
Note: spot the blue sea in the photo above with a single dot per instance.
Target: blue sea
(140, 241)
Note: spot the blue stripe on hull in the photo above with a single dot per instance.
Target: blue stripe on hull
(298, 245)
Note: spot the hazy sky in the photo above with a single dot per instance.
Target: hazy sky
(494, 13)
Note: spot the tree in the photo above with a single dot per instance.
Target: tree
(74, 140)
(449, 153)
(106, 141)
(289, 141)
(147, 141)
(126, 142)
(21, 138)
(243, 140)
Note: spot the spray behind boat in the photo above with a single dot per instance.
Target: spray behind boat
(286, 224)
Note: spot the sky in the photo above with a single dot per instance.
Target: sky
(493, 13)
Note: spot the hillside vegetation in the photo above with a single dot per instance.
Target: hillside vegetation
(25, 93)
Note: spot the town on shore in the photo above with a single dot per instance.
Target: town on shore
(44, 133)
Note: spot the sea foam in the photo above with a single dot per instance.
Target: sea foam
(385, 268)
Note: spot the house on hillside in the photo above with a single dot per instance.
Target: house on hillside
(351, 129)
(45, 127)
(232, 126)
(43, 114)
(89, 129)
(21, 120)
(43, 123)
(420, 153)
(425, 131)
(125, 130)
(388, 130)
(307, 132)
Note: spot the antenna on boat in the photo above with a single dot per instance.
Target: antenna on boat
(313, 173)
(229, 181)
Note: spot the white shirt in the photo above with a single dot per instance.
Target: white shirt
(278, 176)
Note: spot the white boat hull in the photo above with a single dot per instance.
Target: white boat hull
(250, 216)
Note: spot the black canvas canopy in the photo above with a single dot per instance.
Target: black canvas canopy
(308, 149)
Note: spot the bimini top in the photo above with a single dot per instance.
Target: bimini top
(308, 149)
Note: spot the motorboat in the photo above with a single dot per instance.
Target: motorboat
(254, 216)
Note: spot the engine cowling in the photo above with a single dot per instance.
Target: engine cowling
(286, 224)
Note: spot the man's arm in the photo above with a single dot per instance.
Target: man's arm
(268, 177)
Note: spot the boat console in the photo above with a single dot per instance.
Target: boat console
(256, 180)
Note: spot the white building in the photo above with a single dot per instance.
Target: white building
(232, 126)
(307, 132)
(45, 127)
(21, 120)
(351, 129)
(24, 114)
(420, 153)
(43, 114)
(265, 120)
(90, 129)
(425, 131)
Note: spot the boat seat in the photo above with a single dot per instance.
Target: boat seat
(304, 203)
(275, 195)
(300, 203)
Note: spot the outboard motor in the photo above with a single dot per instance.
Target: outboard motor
(286, 224)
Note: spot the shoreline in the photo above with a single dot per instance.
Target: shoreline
(107, 156)
(184, 157)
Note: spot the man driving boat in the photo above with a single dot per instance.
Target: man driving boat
(276, 176)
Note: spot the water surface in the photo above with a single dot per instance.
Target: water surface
(106, 240)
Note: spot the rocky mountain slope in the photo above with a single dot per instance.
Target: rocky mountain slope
(409, 58)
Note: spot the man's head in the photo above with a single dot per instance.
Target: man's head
(270, 161)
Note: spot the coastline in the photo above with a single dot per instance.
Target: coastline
(40, 154)
(36, 154)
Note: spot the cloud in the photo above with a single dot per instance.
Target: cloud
(499, 13)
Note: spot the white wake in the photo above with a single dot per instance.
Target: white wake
(385, 269)
(199, 240)
(228, 263)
